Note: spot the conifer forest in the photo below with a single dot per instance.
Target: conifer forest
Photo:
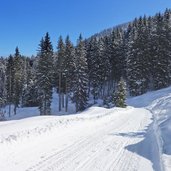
(127, 61)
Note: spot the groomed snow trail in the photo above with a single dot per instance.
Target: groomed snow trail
(97, 140)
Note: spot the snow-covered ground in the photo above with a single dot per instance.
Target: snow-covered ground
(159, 103)
(98, 139)
(26, 112)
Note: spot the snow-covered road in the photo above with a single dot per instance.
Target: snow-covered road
(98, 139)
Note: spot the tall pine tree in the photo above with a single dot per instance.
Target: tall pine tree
(18, 79)
(81, 78)
(45, 75)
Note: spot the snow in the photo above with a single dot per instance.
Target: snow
(135, 138)
(97, 139)
(159, 103)
(26, 112)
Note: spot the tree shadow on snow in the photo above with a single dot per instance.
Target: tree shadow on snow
(165, 129)
(146, 148)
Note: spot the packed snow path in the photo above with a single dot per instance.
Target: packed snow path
(98, 140)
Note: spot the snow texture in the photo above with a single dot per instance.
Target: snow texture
(98, 139)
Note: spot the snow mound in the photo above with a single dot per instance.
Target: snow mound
(159, 103)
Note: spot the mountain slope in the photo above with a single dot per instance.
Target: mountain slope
(108, 31)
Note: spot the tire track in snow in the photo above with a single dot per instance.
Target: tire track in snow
(86, 151)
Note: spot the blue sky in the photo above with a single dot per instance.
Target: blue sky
(24, 22)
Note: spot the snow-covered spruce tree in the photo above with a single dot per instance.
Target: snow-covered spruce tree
(60, 68)
(94, 70)
(132, 63)
(81, 78)
(148, 52)
(69, 66)
(10, 82)
(18, 79)
(98, 67)
(2, 87)
(161, 54)
(25, 78)
(30, 95)
(116, 52)
(44, 75)
(120, 95)
(104, 67)
(89, 56)
(138, 58)
(167, 28)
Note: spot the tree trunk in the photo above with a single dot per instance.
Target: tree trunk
(10, 109)
(66, 98)
(45, 107)
(89, 88)
(63, 100)
(15, 109)
(59, 91)
(10, 95)
(66, 102)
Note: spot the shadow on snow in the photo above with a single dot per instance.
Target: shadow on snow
(146, 148)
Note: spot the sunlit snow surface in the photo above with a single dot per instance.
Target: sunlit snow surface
(159, 103)
(98, 139)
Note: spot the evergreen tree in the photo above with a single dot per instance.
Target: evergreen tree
(104, 67)
(10, 81)
(60, 66)
(30, 92)
(132, 62)
(69, 69)
(89, 49)
(45, 75)
(161, 52)
(117, 56)
(18, 81)
(94, 70)
(25, 77)
(2, 87)
(81, 78)
(99, 67)
(120, 95)
(138, 58)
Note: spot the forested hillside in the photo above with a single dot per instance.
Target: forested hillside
(139, 55)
